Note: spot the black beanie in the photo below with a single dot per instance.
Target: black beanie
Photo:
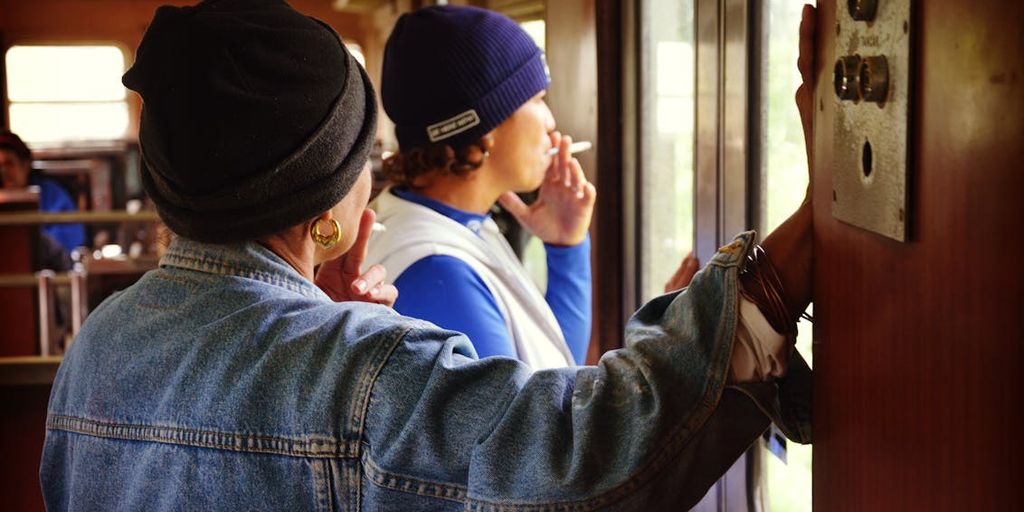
(255, 118)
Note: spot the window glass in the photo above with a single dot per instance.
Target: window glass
(667, 125)
(533, 255)
(536, 30)
(784, 182)
(71, 92)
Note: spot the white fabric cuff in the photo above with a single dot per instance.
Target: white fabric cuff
(760, 353)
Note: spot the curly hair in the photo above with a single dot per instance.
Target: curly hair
(414, 167)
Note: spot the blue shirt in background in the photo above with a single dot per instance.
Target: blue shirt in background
(53, 199)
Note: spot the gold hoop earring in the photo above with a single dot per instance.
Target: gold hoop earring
(325, 241)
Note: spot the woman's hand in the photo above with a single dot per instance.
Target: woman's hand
(561, 214)
(684, 274)
(805, 93)
(340, 278)
(791, 245)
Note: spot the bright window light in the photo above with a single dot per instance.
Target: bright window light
(536, 30)
(71, 92)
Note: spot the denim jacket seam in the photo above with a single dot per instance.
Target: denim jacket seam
(219, 266)
(410, 484)
(735, 253)
(367, 379)
(324, 448)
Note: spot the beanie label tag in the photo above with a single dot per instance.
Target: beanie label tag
(453, 126)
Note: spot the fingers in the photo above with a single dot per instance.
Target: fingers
(554, 172)
(684, 274)
(578, 181)
(514, 205)
(385, 294)
(369, 280)
(563, 160)
(808, 29)
(357, 254)
(371, 287)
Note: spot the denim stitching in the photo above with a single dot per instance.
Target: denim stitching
(218, 266)
(404, 483)
(316, 447)
(353, 501)
(734, 254)
(320, 485)
(367, 379)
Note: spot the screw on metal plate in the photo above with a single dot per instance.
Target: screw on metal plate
(862, 10)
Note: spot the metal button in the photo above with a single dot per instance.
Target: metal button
(873, 79)
(845, 77)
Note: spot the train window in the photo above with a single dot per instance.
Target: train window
(536, 30)
(666, 113)
(783, 181)
(532, 252)
(68, 92)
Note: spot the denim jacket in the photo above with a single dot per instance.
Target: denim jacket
(224, 380)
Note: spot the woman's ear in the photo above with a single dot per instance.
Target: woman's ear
(325, 231)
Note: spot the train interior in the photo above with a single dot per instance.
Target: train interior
(689, 108)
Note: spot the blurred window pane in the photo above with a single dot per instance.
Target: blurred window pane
(667, 117)
(69, 121)
(70, 92)
(536, 30)
(533, 255)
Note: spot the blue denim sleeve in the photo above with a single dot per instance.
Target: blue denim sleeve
(447, 292)
(651, 425)
(569, 294)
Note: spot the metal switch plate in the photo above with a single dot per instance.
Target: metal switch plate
(871, 91)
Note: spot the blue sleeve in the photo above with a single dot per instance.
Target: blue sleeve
(448, 292)
(53, 198)
(569, 294)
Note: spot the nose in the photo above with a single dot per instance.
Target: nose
(549, 118)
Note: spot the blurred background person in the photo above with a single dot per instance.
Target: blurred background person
(16, 173)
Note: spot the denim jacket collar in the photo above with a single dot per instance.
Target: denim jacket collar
(250, 260)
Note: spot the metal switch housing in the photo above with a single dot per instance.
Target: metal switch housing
(872, 93)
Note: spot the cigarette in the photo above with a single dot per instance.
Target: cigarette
(575, 147)
(379, 228)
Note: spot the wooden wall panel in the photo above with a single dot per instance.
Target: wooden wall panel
(22, 433)
(918, 346)
(18, 310)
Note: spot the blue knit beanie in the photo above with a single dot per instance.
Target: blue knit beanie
(452, 74)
